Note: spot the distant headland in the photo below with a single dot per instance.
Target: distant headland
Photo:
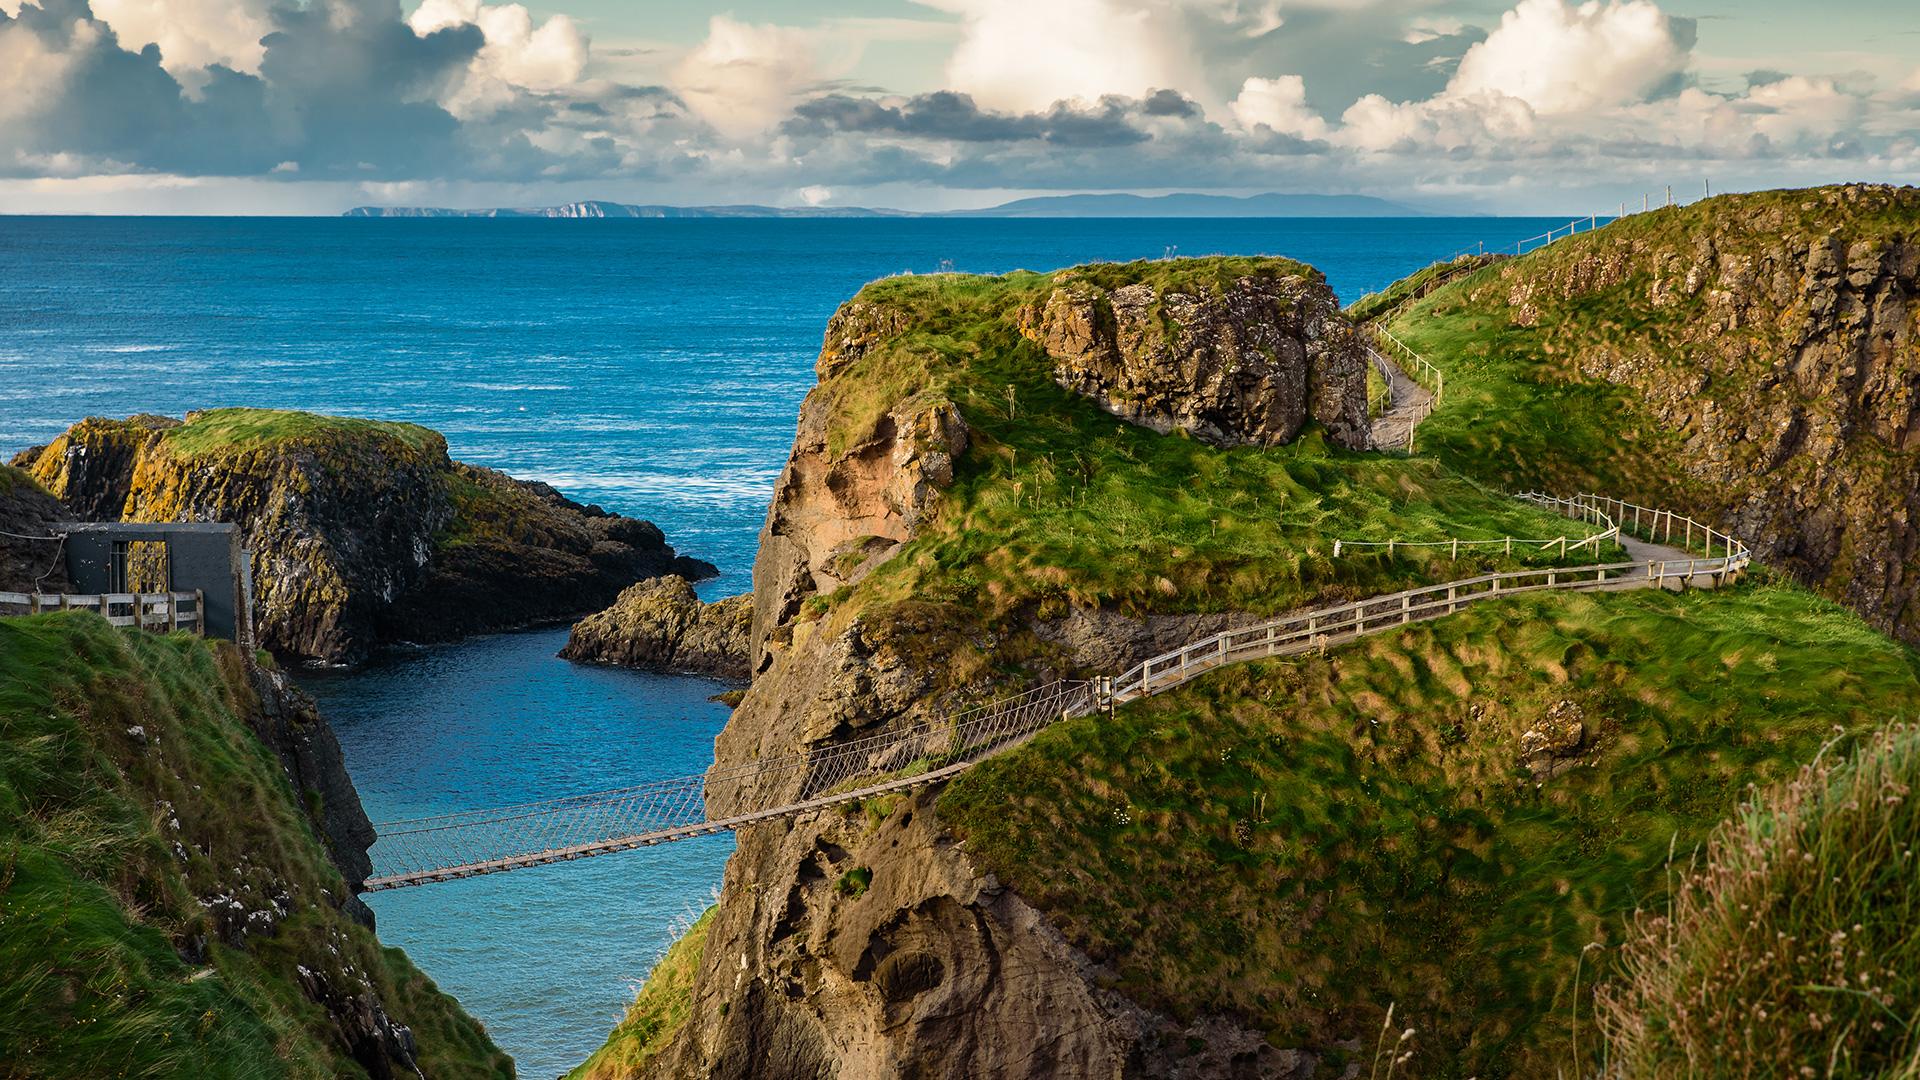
(1270, 205)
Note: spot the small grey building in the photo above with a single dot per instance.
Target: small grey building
(158, 557)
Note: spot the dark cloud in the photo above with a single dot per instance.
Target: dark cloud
(345, 90)
(953, 117)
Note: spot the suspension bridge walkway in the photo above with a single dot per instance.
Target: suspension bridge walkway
(452, 846)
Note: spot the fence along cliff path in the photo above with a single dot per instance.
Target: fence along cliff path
(452, 846)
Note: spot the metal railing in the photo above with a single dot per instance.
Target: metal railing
(148, 611)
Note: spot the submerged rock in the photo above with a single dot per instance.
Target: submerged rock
(661, 625)
(361, 532)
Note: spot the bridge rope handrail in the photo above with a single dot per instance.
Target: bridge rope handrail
(448, 846)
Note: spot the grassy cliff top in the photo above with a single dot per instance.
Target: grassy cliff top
(13, 478)
(137, 811)
(1058, 503)
(217, 431)
(1302, 843)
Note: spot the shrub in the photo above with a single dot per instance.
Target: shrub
(1788, 948)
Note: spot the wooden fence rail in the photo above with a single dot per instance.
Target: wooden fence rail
(149, 611)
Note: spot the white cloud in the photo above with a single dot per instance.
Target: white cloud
(746, 77)
(517, 54)
(815, 194)
(1913, 82)
(1024, 55)
(1279, 104)
(192, 34)
(1447, 122)
(32, 74)
(1561, 59)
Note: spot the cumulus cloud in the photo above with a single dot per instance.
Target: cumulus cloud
(1564, 59)
(1023, 56)
(745, 77)
(516, 54)
(471, 96)
(1280, 105)
(192, 34)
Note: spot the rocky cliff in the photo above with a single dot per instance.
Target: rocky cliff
(1754, 358)
(661, 625)
(362, 532)
(29, 562)
(869, 943)
(1236, 879)
(1249, 363)
(184, 845)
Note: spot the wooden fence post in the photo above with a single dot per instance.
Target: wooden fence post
(200, 612)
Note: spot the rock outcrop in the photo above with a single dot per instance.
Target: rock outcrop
(361, 532)
(864, 942)
(28, 515)
(1248, 364)
(660, 625)
(1777, 336)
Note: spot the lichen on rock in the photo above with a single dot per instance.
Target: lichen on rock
(362, 532)
(1248, 364)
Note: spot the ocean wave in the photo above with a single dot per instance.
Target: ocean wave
(134, 348)
(504, 387)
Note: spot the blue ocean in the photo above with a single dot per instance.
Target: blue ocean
(653, 367)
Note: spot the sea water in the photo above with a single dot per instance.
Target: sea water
(653, 367)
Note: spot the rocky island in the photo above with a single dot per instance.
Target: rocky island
(363, 532)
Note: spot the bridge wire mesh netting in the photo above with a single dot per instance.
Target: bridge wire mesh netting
(446, 846)
(489, 841)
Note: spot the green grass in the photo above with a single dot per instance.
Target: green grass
(107, 739)
(1300, 844)
(217, 431)
(658, 1010)
(1058, 504)
(1519, 408)
(1791, 942)
(13, 479)
(1375, 304)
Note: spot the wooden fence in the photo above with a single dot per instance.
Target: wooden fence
(149, 611)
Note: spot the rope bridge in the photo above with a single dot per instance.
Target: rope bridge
(450, 846)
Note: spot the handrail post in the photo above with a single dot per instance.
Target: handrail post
(200, 612)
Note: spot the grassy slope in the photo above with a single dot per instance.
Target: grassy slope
(1804, 908)
(657, 1011)
(1301, 843)
(217, 431)
(1518, 411)
(1058, 503)
(95, 899)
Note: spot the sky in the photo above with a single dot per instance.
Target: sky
(1473, 106)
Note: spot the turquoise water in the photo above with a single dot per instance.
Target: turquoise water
(653, 367)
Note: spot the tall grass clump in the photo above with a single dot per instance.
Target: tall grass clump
(1788, 949)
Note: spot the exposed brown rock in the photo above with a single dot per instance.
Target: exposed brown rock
(931, 968)
(1249, 365)
(660, 625)
(363, 534)
(1779, 335)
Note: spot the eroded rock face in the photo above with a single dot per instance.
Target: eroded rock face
(864, 943)
(836, 516)
(28, 564)
(660, 625)
(365, 539)
(1247, 366)
(1787, 356)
